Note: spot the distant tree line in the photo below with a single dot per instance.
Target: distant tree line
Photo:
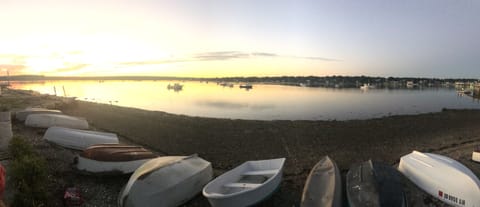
(312, 81)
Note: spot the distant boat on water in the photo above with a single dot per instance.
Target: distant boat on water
(367, 86)
(246, 86)
(442, 177)
(175, 87)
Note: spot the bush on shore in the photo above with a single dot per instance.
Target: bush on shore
(29, 175)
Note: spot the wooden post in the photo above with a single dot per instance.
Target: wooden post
(64, 93)
(55, 90)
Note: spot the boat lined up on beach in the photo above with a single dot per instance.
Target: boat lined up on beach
(476, 154)
(50, 120)
(22, 115)
(442, 177)
(78, 139)
(374, 184)
(245, 185)
(323, 187)
(112, 158)
(166, 181)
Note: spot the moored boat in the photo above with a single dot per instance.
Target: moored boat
(166, 181)
(323, 187)
(112, 158)
(22, 115)
(367, 86)
(175, 87)
(246, 86)
(245, 185)
(374, 184)
(50, 120)
(78, 139)
(476, 154)
(442, 177)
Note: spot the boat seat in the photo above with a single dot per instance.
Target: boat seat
(261, 172)
(242, 185)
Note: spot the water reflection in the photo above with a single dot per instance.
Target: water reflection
(266, 102)
(233, 105)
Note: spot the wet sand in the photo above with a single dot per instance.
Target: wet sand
(227, 143)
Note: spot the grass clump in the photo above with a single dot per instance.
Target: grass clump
(29, 174)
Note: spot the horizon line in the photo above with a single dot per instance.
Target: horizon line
(150, 77)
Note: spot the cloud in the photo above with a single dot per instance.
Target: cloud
(224, 55)
(72, 67)
(155, 62)
(12, 68)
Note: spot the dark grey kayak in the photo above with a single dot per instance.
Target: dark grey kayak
(323, 186)
(374, 184)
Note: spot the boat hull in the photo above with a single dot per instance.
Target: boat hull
(323, 187)
(476, 156)
(105, 167)
(78, 139)
(442, 178)
(228, 190)
(22, 115)
(50, 120)
(166, 182)
(374, 184)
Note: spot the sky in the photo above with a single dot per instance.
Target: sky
(220, 38)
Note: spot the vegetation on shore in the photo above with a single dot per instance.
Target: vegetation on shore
(29, 175)
(311, 81)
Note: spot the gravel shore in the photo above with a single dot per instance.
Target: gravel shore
(227, 143)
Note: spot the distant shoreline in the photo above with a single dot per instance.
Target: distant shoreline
(308, 81)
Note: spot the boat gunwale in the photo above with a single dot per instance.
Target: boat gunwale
(222, 196)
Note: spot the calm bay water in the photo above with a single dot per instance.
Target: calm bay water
(263, 102)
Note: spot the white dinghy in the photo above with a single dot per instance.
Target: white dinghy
(78, 139)
(323, 187)
(245, 185)
(166, 182)
(50, 120)
(476, 154)
(112, 158)
(22, 115)
(442, 177)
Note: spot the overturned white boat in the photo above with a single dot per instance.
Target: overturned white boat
(22, 115)
(50, 120)
(476, 154)
(245, 185)
(323, 187)
(166, 181)
(78, 139)
(442, 177)
(112, 158)
(374, 184)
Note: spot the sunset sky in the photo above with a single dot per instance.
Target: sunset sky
(218, 38)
